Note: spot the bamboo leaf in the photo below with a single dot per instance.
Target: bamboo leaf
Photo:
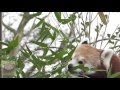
(102, 17)
(40, 43)
(58, 16)
(30, 52)
(115, 75)
(4, 43)
(109, 72)
(39, 23)
(14, 43)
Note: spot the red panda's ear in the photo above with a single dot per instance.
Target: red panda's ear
(106, 57)
(85, 41)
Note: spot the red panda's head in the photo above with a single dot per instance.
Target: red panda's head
(90, 57)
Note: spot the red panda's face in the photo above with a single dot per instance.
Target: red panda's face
(89, 57)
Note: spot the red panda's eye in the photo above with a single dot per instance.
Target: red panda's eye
(80, 62)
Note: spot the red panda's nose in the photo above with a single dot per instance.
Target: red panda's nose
(70, 66)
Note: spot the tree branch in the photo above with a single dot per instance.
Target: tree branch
(30, 16)
(9, 28)
(19, 33)
(35, 14)
(30, 71)
(103, 40)
(43, 48)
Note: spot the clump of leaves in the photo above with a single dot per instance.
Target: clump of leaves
(111, 75)
(85, 69)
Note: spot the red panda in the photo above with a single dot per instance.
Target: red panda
(92, 57)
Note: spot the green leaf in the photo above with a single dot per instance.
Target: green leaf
(39, 23)
(43, 33)
(4, 59)
(25, 53)
(60, 54)
(20, 64)
(56, 69)
(64, 35)
(72, 17)
(54, 36)
(53, 52)
(30, 52)
(99, 70)
(109, 72)
(17, 74)
(23, 75)
(3, 51)
(115, 75)
(50, 35)
(12, 44)
(50, 60)
(4, 43)
(41, 75)
(50, 26)
(81, 67)
(58, 16)
(40, 43)
(45, 52)
(67, 58)
(65, 21)
(37, 62)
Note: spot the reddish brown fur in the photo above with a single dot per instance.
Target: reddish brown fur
(115, 61)
(99, 74)
(93, 56)
(89, 53)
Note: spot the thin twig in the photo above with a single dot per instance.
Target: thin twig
(30, 71)
(9, 28)
(103, 40)
(94, 18)
(104, 34)
(111, 35)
